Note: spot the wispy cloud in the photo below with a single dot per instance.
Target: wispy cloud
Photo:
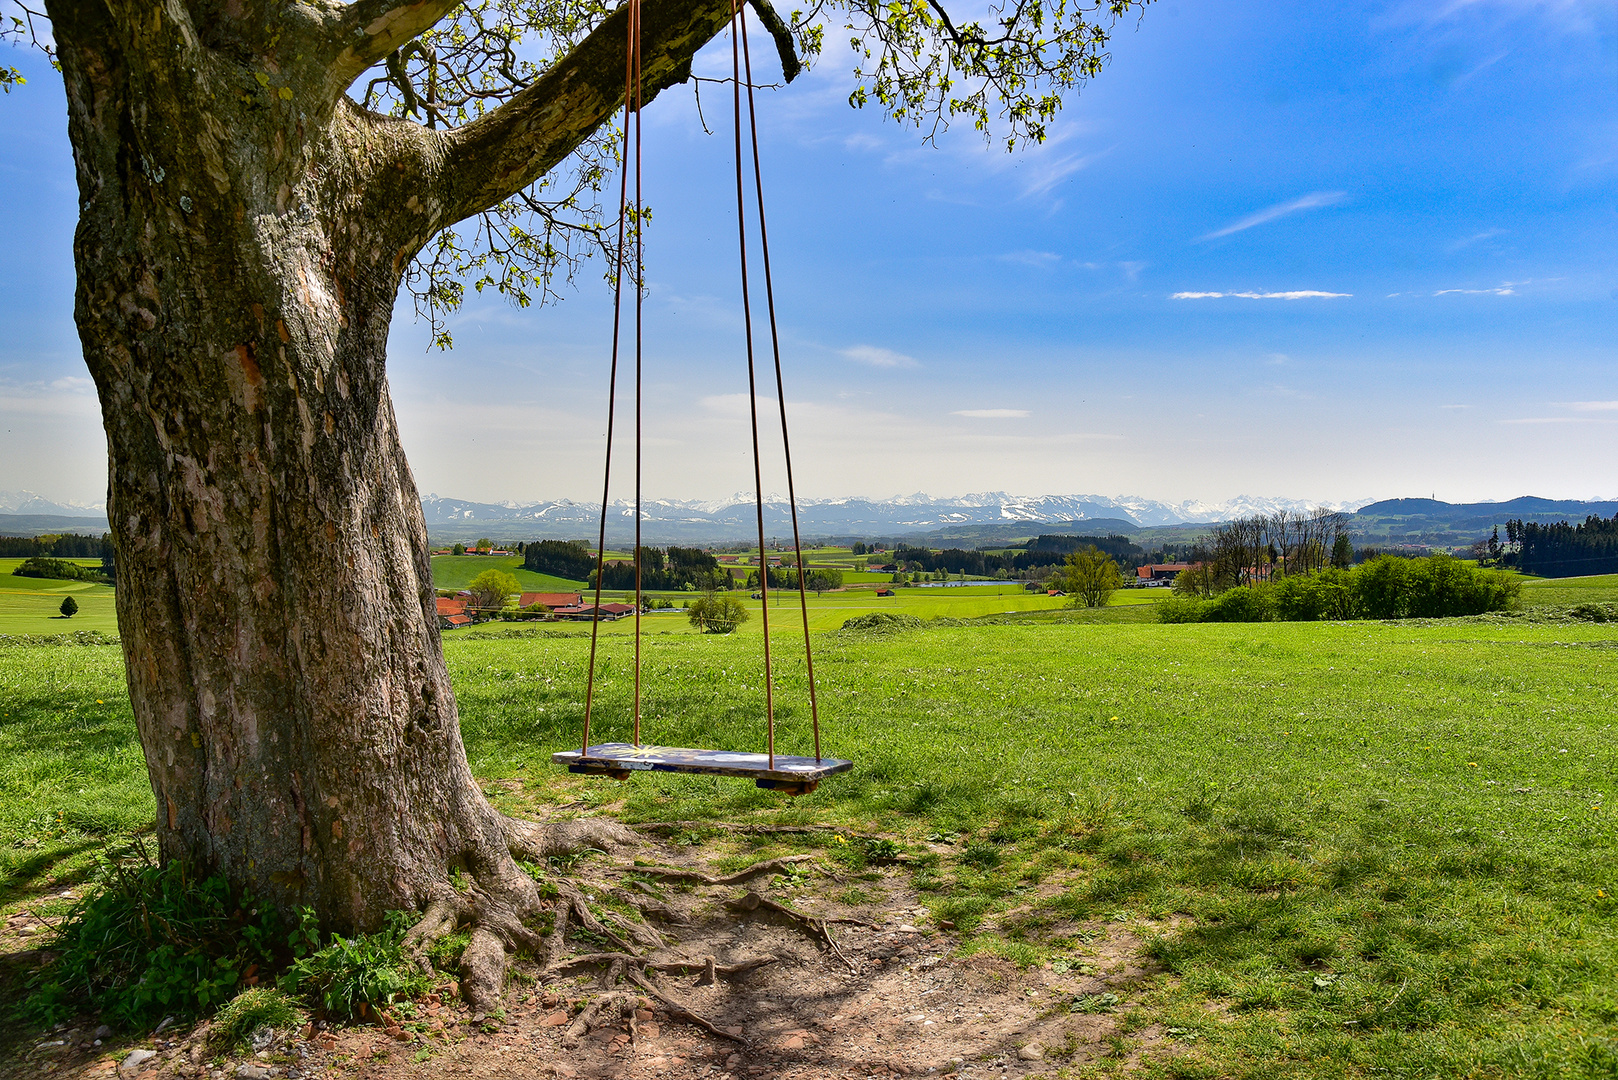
(1591, 406)
(877, 357)
(1504, 289)
(1296, 294)
(1311, 201)
(1041, 259)
(1467, 241)
(992, 414)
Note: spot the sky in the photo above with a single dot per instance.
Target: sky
(1323, 251)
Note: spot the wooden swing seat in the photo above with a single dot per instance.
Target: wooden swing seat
(792, 775)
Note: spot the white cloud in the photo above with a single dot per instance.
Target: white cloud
(1503, 290)
(1296, 294)
(992, 414)
(1592, 406)
(1040, 259)
(877, 357)
(1311, 201)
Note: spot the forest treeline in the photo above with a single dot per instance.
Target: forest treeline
(1042, 551)
(1560, 549)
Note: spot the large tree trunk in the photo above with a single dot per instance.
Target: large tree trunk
(243, 232)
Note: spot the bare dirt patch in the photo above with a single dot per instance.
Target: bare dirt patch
(812, 972)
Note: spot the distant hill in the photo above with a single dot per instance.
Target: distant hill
(1431, 523)
(36, 524)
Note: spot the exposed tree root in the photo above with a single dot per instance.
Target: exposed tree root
(816, 928)
(756, 870)
(707, 966)
(538, 842)
(621, 1000)
(682, 1012)
(661, 827)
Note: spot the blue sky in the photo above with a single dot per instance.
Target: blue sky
(1112, 312)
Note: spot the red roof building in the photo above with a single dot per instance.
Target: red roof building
(552, 600)
(1161, 571)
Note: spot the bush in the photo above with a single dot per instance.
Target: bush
(69, 608)
(366, 970)
(60, 570)
(1385, 587)
(154, 942)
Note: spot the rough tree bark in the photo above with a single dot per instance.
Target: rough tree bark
(243, 230)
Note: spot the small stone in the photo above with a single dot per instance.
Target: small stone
(794, 1042)
(643, 1014)
(732, 1061)
(1032, 1052)
(651, 1031)
(103, 1032)
(27, 931)
(136, 1059)
(908, 929)
(249, 1071)
(555, 1019)
(565, 1070)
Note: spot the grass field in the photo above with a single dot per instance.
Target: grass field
(1359, 850)
(457, 572)
(30, 605)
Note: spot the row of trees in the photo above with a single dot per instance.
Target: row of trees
(1042, 551)
(679, 568)
(63, 546)
(1266, 546)
(1386, 587)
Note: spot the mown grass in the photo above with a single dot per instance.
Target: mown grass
(1368, 849)
(29, 605)
(1592, 589)
(457, 572)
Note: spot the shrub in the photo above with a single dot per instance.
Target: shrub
(59, 569)
(369, 969)
(1180, 609)
(154, 941)
(1245, 603)
(69, 608)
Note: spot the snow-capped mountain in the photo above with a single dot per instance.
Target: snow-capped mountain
(27, 502)
(734, 517)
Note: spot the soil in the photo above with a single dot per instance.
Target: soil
(892, 997)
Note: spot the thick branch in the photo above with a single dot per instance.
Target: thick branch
(499, 155)
(367, 30)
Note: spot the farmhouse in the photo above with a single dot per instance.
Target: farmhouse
(884, 592)
(586, 612)
(1161, 571)
(552, 600)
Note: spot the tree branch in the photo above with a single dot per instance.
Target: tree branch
(367, 30)
(495, 157)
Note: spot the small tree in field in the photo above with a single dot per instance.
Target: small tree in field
(820, 581)
(491, 588)
(1091, 577)
(715, 614)
(70, 607)
(458, 549)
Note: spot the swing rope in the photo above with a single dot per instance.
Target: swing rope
(780, 387)
(631, 107)
(741, 63)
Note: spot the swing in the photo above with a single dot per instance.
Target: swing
(789, 774)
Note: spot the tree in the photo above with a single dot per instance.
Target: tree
(1091, 577)
(257, 182)
(458, 549)
(485, 546)
(823, 580)
(491, 588)
(1342, 552)
(70, 607)
(716, 614)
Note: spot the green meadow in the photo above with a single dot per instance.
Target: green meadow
(31, 605)
(1353, 849)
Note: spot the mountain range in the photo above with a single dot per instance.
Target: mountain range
(735, 518)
